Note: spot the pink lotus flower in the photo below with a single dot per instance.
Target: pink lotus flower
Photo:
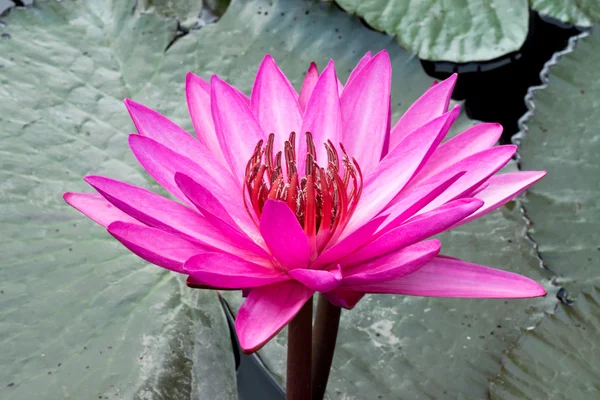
(284, 195)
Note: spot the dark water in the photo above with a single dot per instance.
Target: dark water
(494, 91)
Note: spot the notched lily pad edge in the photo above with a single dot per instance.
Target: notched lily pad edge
(562, 294)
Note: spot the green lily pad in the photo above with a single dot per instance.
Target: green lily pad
(80, 317)
(457, 31)
(578, 12)
(560, 359)
(562, 136)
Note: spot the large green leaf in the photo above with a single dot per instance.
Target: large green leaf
(389, 346)
(560, 359)
(80, 317)
(455, 30)
(563, 137)
(578, 12)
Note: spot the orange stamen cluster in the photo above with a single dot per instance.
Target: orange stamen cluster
(323, 199)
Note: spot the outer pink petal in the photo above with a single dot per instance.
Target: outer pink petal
(479, 168)
(410, 202)
(237, 129)
(203, 199)
(267, 310)
(450, 277)
(158, 212)
(430, 105)
(393, 265)
(475, 139)
(197, 92)
(217, 216)
(283, 235)
(501, 189)
(226, 271)
(155, 245)
(322, 118)
(151, 124)
(162, 164)
(359, 66)
(318, 280)
(391, 175)
(275, 102)
(97, 208)
(308, 85)
(415, 230)
(365, 104)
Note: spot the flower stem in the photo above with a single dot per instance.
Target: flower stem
(325, 333)
(299, 354)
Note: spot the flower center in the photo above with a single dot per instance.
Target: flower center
(323, 200)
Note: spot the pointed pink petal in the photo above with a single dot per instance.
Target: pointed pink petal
(451, 277)
(203, 198)
(359, 66)
(154, 245)
(479, 188)
(391, 175)
(283, 235)
(267, 310)
(151, 124)
(237, 129)
(344, 299)
(415, 230)
(430, 105)
(318, 280)
(162, 164)
(226, 271)
(217, 216)
(351, 242)
(393, 265)
(308, 85)
(323, 118)
(275, 103)
(408, 203)
(479, 168)
(365, 102)
(475, 139)
(158, 212)
(501, 189)
(97, 208)
(197, 92)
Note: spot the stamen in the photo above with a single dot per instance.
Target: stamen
(310, 146)
(323, 200)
